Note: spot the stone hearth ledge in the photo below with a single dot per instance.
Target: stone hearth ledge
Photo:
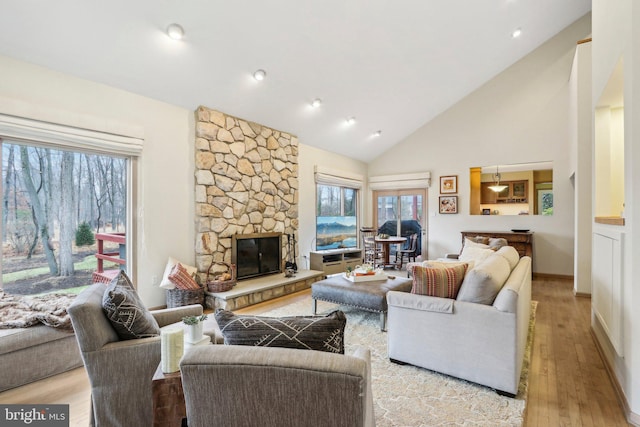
(253, 291)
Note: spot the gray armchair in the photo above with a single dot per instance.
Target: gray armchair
(120, 372)
(276, 387)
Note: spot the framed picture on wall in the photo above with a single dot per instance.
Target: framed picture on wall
(449, 184)
(448, 204)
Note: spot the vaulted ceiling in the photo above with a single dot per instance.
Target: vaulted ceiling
(393, 65)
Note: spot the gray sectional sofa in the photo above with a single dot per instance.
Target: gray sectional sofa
(483, 341)
(31, 354)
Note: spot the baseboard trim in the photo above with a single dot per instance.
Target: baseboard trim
(581, 294)
(552, 276)
(632, 418)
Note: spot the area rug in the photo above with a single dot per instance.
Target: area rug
(405, 395)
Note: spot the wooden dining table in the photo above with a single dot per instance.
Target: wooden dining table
(386, 246)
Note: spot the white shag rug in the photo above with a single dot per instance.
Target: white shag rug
(406, 395)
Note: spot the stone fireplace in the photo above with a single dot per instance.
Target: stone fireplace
(246, 182)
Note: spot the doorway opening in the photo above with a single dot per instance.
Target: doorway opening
(402, 213)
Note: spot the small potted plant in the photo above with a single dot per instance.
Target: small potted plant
(194, 327)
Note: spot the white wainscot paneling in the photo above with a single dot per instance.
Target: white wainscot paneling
(606, 279)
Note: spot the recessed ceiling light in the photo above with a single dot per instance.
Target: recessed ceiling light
(377, 133)
(516, 33)
(175, 31)
(259, 75)
(351, 120)
(316, 103)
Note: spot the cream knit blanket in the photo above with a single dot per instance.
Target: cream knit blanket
(18, 311)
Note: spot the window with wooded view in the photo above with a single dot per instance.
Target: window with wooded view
(53, 204)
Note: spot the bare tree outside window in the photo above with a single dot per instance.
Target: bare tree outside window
(47, 195)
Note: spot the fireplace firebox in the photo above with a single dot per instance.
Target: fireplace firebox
(256, 254)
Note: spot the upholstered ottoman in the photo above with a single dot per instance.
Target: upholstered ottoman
(370, 296)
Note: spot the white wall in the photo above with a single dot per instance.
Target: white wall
(165, 214)
(616, 31)
(581, 166)
(520, 116)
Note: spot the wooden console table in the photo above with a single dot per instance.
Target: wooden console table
(168, 399)
(522, 241)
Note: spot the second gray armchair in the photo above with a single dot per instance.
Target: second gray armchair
(276, 387)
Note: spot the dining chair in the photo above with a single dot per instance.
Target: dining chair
(372, 251)
(411, 251)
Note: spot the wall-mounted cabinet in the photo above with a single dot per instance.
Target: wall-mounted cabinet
(516, 192)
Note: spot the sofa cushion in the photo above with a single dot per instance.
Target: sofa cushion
(482, 283)
(181, 278)
(126, 312)
(21, 338)
(510, 254)
(438, 281)
(322, 333)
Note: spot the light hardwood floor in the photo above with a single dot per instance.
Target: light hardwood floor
(568, 383)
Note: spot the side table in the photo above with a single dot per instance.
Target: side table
(168, 399)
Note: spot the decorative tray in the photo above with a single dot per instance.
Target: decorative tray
(365, 278)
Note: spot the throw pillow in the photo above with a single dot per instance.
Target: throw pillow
(475, 253)
(181, 278)
(475, 243)
(124, 309)
(444, 264)
(480, 239)
(497, 243)
(482, 284)
(168, 284)
(322, 333)
(443, 282)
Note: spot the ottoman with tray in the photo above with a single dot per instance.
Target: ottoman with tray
(370, 295)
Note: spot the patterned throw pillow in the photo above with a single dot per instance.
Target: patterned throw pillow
(446, 264)
(443, 282)
(322, 333)
(125, 310)
(180, 277)
(171, 262)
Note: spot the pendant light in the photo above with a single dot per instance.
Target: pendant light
(497, 187)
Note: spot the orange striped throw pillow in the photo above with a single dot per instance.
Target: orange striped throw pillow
(180, 277)
(443, 282)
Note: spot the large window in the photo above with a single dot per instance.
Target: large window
(336, 217)
(54, 204)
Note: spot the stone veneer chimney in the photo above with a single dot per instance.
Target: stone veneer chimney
(246, 182)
